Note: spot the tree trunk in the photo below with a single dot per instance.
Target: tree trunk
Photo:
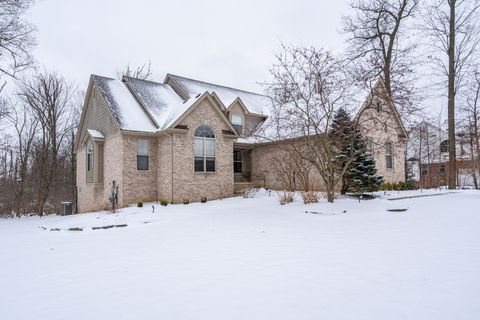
(452, 157)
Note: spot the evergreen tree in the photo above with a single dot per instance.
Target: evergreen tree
(360, 175)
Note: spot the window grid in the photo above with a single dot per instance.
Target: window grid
(237, 161)
(204, 143)
(142, 154)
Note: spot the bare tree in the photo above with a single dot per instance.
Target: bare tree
(453, 27)
(16, 38)
(308, 85)
(378, 47)
(293, 170)
(25, 131)
(142, 72)
(47, 95)
(471, 119)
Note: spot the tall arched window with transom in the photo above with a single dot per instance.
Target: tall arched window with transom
(204, 149)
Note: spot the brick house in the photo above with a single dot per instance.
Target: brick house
(427, 155)
(185, 139)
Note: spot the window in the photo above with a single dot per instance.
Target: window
(442, 168)
(369, 145)
(237, 161)
(142, 154)
(90, 157)
(444, 146)
(237, 122)
(425, 169)
(388, 155)
(204, 149)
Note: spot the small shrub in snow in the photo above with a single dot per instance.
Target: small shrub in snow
(140, 204)
(186, 201)
(163, 202)
(203, 199)
(249, 193)
(310, 197)
(285, 197)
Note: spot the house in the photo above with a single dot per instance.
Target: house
(427, 155)
(185, 139)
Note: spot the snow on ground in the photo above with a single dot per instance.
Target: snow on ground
(249, 259)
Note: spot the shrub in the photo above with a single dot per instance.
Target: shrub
(285, 197)
(139, 204)
(186, 201)
(163, 202)
(310, 197)
(203, 199)
(397, 186)
(249, 193)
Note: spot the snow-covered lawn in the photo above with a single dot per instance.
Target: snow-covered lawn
(249, 259)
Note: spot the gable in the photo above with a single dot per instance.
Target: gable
(388, 111)
(205, 108)
(124, 106)
(95, 116)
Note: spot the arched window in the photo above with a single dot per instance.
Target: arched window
(90, 157)
(204, 149)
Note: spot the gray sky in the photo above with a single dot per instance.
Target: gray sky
(225, 42)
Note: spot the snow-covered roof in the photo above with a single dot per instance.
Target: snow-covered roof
(123, 105)
(254, 102)
(147, 106)
(95, 134)
(160, 100)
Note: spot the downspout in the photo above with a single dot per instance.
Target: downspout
(172, 167)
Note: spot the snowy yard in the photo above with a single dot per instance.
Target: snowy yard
(249, 259)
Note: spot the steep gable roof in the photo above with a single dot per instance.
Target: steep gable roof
(126, 110)
(148, 106)
(162, 103)
(379, 89)
(255, 103)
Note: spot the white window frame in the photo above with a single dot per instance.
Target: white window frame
(143, 150)
(90, 157)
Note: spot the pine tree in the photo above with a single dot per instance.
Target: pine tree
(360, 175)
(346, 137)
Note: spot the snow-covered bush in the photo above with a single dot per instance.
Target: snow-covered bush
(164, 202)
(285, 197)
(249, 193)
(310, 197)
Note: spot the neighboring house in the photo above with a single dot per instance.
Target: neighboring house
(185, 139)
(427, 154)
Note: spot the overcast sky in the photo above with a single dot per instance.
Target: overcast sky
(225, 42)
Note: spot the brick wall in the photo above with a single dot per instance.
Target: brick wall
(138, 185)
(186, 183)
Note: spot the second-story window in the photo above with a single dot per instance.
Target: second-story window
(389, 155)
(237, 121)
(142, 154)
